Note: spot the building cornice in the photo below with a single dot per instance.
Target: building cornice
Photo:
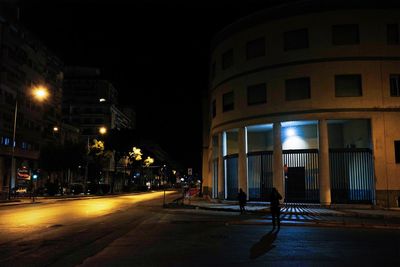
(303, 62)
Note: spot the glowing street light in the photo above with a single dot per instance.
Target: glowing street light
(103, 130)
(40, 92)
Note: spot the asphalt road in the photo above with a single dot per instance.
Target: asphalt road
(136, 231)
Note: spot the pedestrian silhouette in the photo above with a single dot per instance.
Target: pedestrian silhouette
(275, 208)
(242, 197)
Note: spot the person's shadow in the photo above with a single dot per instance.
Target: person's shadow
(264, 245)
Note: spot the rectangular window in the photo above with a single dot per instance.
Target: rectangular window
(212, 74)
(348, 85)
(297, 89)
(394, 84)
(6, 141)
(256, 94)
(392, 34)
(255, 48)
(227, 59)
(214, 108)
(345, 34)
(227, 102)
(397, 151)
(297, 39)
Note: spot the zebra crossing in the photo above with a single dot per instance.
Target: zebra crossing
(308, 213)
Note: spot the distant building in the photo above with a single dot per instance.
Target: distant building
(25, 63)
(305, 97)
(90, 102)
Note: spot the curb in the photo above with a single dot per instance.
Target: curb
(343, 213)
(320, 224)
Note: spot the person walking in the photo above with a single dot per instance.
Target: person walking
(242, 200)
(275, 208)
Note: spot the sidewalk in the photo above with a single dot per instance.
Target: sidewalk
(308, 214)
(297, 208)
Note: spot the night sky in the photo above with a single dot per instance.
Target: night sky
(156, 55)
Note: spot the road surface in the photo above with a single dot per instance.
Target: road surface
(134, 230)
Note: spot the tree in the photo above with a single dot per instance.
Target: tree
(119, 142)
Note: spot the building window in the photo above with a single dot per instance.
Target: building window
(227, 102)
(394, 85)
(297, 39)
(397, 151)
(227, 59)
(24, 145)
(255, 48)
(87, 121)
(212, 75)
(5, 141)
(348, 85)
(297, 89)
(214, 108)
(392, 34)
(345, 34)
(87, 131)
(256, 94)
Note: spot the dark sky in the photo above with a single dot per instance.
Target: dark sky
(156, 54)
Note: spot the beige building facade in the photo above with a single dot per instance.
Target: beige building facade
(307, 102)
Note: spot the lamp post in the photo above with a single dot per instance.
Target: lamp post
(40, 93)
(102, 131)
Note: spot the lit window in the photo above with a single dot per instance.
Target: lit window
(6, 141)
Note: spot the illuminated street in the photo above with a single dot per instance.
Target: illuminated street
(134, 230)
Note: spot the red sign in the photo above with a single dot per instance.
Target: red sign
(23, 173)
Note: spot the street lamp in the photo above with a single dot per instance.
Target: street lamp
(102, 130)
(40, 93)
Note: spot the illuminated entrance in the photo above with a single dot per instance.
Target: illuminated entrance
(300, 159)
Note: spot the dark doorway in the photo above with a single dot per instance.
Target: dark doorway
(295, 184)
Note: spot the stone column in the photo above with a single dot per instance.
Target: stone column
(242, 160)
(323, 162)
(277, 165)
(221, 172)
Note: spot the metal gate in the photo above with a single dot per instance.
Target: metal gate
(259, 175)
(215, 178)
(352, 175)
(307, 159)
(231, 176)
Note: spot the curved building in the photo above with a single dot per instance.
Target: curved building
(305, 97)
